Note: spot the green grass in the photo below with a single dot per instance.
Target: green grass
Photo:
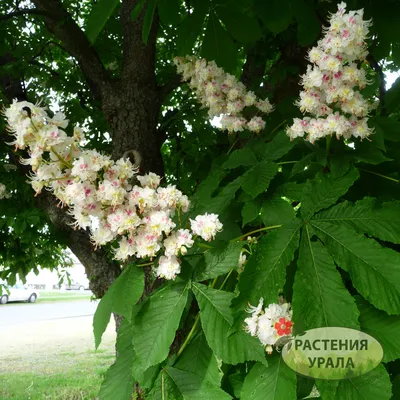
(75, 377)
(63, 296)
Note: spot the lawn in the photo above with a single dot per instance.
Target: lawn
(70, 376)
(63, 295)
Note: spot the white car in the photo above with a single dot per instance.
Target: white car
(19, 292)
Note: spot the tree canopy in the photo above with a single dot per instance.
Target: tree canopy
(323, 213)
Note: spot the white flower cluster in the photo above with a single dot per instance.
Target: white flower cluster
(270, 324)
(331, 85)
(222, 94)
(99, 193)
(3, 192)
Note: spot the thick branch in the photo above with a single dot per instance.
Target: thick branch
(65, 29)
(99, 269)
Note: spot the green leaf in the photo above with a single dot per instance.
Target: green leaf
(121, 296)
(366, 153)
(265, 270)
(192, 387)
(191, 27)
(169, 11)
(276, 211)
(118, 382)
(279, 146)
(242, 27)
(324, 190)
(98, 18)
(257, 179)
(198, 359)
(250, 211)
(374, 270)
(275, 382)
(148, 20)
(384, 328)
(276, 14)
(301, 165)
(219, 202)
(216, 320)
(218, 261)
(389, 126)
(308, 26)
(156, 322)
(241, 157)
(366, 216)
(319, 295)
(375, 385)
(218, 46)
(127, 291)
(137, 9)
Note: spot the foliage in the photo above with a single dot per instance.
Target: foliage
(325, 215)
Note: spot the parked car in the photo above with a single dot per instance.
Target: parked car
(77, 285)
(19, 292)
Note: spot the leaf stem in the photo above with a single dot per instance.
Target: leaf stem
(204, 246)
(145, 265)
(277, 127)
(162, 385)
(382, 176)
(233, 145)
(287, 162)
(189, 336)
(196, 321)
(266, 228)
(226, 278)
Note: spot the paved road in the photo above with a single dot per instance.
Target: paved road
(31, 335)
(23, 313)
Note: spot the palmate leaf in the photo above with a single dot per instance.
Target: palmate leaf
(218, 45)
(218, 203)
(279, 146)
(319, 296)
(366, 216)
(384, 328)
(156, 322)
(242, 27)
(265, 270)
(250, 211)
(276, 211)
(99, 16)
(218, 261)
(275, 382)
(324, 190)
(375, 385)
(118, 382)
(193, 387)
(374, 270)
(241, 157)
(217, 319)
(257, 179)
(200, 360)
(121, 296)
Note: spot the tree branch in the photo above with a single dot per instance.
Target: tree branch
(382, 87)
(61, 24)
(254, 67)
(18, 13)
(174, 82)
